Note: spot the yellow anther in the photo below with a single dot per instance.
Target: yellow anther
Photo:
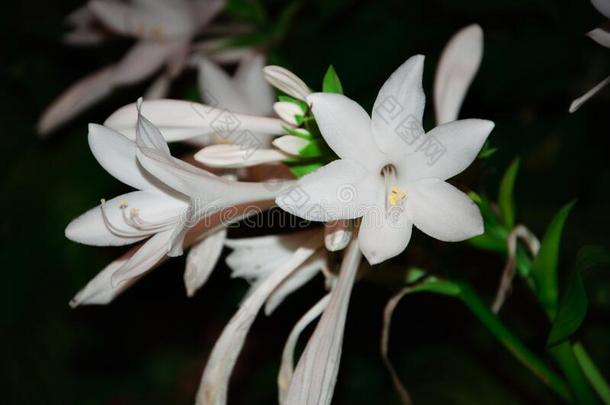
(134, 212)
(396, 196)
(123, 204)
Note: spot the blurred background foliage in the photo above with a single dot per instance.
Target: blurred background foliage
(150, 345)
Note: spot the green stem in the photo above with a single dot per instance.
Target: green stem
(565, 358)
(512, 343)
(591, 372)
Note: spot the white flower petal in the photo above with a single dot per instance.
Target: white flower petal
(287, 111)
(290, 144)
(215, 380)
(202, 259)
(338, 190)
(384, 233)
(601, 36)
(346, 128)
(286, 81)
(315, 376)
(287, 366)
(458, 65)
(250, 79)
(232, 156)
(117, 155)
(141, 61)
(446, 150)
(577, 103)
(442, 211)
(218, 89)
(91, 228)
(400, 101)
(299, 278)
(603, 6)
(179, 120)
(76, 99)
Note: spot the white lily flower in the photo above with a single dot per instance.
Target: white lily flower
(456, 69)
(215, 380)
(390, 172)
(173, 198)
(164, 31)
(286, 81)
(600, 35)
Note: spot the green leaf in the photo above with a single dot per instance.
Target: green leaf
(544, 268)
(487, 151)
(299, 132)
(438, 286)
(331, 82)
(506, 200)
(495, 235)
(574, 303)
(301, 169)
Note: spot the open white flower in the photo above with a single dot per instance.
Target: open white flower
(601, 35)
(174, 198)
(390, 172)
(164, 31)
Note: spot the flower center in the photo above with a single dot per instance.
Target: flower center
(131, 217)
(394, 195)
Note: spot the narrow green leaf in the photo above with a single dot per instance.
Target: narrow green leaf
(487, 151)
(506, 199)
(544, 268)
(592, 373)
(301, 169)
(312, 149)
(331, 82)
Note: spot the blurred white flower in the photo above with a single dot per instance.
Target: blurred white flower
(164, 31)
(600, 35)
(385, 174)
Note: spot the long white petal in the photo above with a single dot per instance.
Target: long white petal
(603, 6)
(339, 190)
(215, 379)
(250, 79)
(180, 120)
(201, 260)
(217, 88)
(76, 99)
(577, 103)
(346, 128)
(141, 61)
(231, 156)
(287, 365)
(315, 376)
(442, 211)
(400, 103)
(458, 65)
(286, 81)
(446, 150)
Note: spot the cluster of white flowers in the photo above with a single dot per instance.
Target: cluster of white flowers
(368, 179)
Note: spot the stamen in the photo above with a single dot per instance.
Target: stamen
(134, 220)
(394, 194)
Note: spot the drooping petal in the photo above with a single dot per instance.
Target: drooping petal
(314, 379)
(603, 6)
(384, 233)
(218, 90)
(142, 60)
(442, 211)
(77, 99)
(458, 65)
(346, 128)
(338, 190)
(287, 366)
(400, 103)
(286, 81)
(215, 380)
(577, 103)
(99, 291)
(601, 36)
(232, 156)
(250, 79)
(290, 144)
(446, 150)
(109, 227)
(299, 278)
(179, 120)
(202, 259)
(117, 155)
(149, 254)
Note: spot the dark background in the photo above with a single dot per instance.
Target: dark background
(150, 345)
